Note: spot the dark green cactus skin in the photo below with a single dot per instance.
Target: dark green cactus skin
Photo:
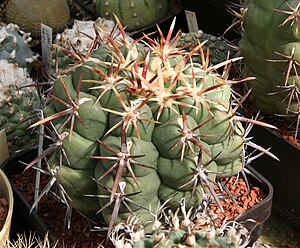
(271, 49)
(153, 141)
(134, 14)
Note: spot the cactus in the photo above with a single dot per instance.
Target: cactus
(218, 48)
(17, 101)
(136, 124)
(270, 45)
(29, 15)
(181, 228)
(135, 14)
(14, 46)
(79, 36)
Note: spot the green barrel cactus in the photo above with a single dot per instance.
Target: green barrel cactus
(29, 14)
(270, 45)
(18, 102)
(134, 14)
(139, 124)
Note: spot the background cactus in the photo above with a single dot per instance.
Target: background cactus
(17, 101)
(82, 33)
(270, 45)
(29, 15)
(135, 14)
(14, 46)
(218, 48)
(137, 124)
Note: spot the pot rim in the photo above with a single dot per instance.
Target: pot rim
(6, 189)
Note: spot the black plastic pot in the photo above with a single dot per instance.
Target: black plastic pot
(213, 16)
(284, 174)
(32, 222)
(254, 218)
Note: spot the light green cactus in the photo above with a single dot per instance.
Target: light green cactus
(137, 124)
(270, 45)
(185, 227)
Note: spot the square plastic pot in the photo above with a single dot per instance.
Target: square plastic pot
(259, 213)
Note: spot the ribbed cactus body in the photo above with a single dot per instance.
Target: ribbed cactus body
(148, 188)
(166, 136)
(136, 147)
(175, 173)
(78, 183)
(134, 14)
(271, 47)
(152, 123)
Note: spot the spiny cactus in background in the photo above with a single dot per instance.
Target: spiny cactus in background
(218, 48)
(270, 45)
(134, 14)
(139, 123)
(29, 14)
(17, 101)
